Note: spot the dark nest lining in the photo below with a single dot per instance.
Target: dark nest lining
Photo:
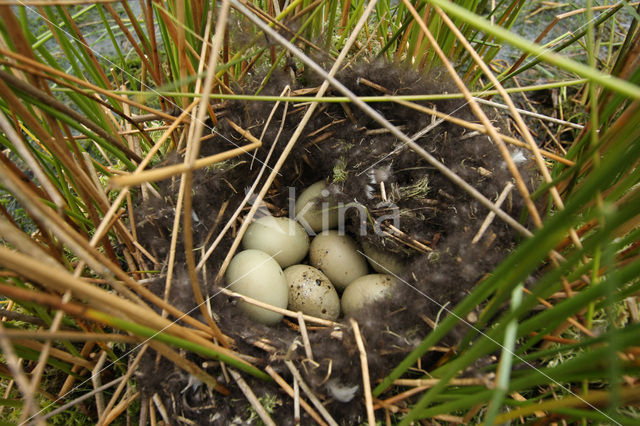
(349, 150)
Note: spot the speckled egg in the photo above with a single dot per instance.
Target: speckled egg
(280, 237)
(314, 211)
(311, 292)
(367, 289)
(255, 274)
(383, 261)
(337, 256)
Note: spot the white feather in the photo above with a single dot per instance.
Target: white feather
(342, 393)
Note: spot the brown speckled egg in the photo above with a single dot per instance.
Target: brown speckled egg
(311, 292)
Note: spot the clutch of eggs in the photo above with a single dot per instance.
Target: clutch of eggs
(336, 263)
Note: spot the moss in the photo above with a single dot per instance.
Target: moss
(340, 171)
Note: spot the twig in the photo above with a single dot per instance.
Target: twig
(531, 114)
(296, 402)
(314, 399)
(13, 363)
(7, 392)
(471, 381)
(364, 364)
(251, 397)
(286, 312)
(399, 397)
(107, 411)
(305, 336)
(169, 171)
(487, 221)
(289, 390)
(152, 413)
(118, 409)
(160, 406)
(81, 398)
(12, 315)
(96, 379)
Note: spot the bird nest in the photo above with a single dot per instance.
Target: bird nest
(405, 206)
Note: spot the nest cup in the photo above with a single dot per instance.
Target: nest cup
(393, 203)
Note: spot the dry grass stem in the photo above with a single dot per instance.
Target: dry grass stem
(530, 114)
(251, 397)
(120, 408)
(188, 366)
(471, 381)
(305, 336)
(364, 365)
(13, 364)
(96, 379)
(28, 64)
(55, 353)
(289, 390)
(570, 320)
(105, 419)
(487, 221)
(312, 397)
(161, 408)
(286, 312)
(166, 172)
(388, 403)
(84, 397)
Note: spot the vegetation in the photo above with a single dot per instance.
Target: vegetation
(101, 102)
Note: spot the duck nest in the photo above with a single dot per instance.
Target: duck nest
(405, 207)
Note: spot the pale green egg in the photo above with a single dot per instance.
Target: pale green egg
(280, 237)
(337, 256)
(255, 274)
(313, 209)
(382, 261)
(365, 290)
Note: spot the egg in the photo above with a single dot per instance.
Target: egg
(337, 256)
(280, 237)
(313, 210)
(311, 292)
(255, 274)
(367, 289)
(382, 261)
